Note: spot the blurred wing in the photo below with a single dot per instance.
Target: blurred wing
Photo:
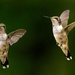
(69, 27)
(14, 36)
(64, 17)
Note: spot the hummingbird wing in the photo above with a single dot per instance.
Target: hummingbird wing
(14, 36)
(69, 27)
(64, 17)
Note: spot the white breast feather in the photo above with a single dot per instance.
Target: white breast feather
(1, 42)
(57, 29)
(3, 37)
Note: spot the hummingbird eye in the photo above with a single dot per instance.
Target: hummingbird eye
(56, 18)
(4, 27)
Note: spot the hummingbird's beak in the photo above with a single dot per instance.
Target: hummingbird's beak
(46, 16)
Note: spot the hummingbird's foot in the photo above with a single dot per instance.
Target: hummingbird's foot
(61, 44)
(4, 51)
(57, 43)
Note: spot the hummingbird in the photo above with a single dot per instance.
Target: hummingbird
(61, 30)
(5, 40)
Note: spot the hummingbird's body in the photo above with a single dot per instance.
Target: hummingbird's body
(61, 30)
(4, 46)
(61, 38)
(5, 40)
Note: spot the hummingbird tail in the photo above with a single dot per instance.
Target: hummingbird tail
(69, 57)
(6, 64)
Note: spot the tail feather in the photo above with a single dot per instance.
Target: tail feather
(69, 57)
(6, 64)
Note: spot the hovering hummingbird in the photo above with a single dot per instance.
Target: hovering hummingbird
(5, 40)
(61, 31)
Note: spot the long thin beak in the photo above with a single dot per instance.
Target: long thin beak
(46, 16)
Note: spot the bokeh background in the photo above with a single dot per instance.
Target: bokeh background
(36, 53)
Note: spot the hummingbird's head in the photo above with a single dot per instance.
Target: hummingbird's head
(55, 20)
(2, 28)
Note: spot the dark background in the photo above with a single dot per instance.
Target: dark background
(36, 53)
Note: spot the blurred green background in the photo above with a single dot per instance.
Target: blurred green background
(36, 53)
